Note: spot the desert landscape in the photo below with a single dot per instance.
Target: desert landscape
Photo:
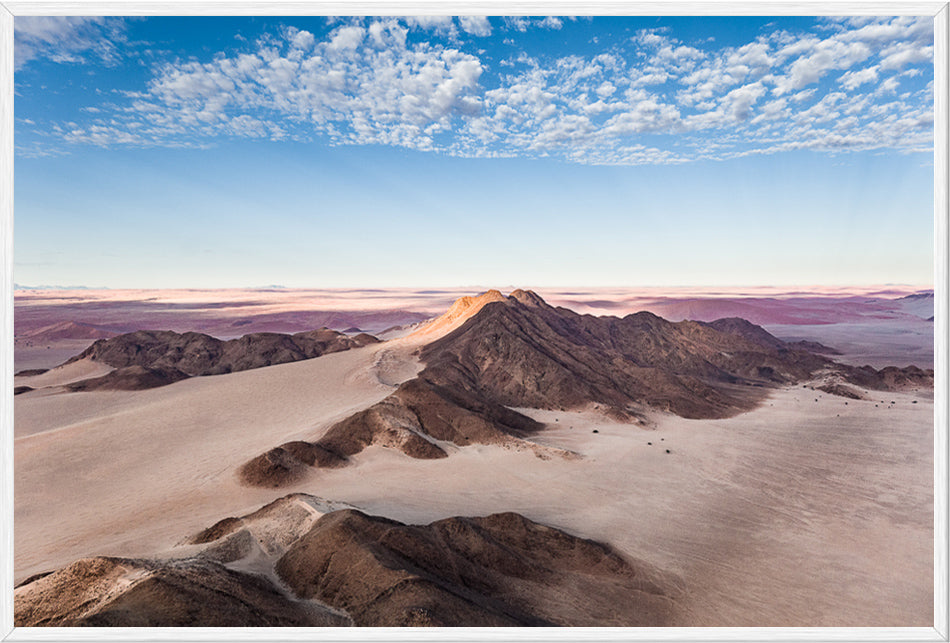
(506, 462)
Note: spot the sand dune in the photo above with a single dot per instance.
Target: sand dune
(851, 546)
(156, 463)
(65, 374)
(458, 313)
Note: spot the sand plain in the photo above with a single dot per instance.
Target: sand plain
(797, 513)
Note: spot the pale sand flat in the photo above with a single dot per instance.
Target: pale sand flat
(788, 515)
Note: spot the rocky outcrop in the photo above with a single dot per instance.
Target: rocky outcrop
(124, 592)
(321, 563)
(146, 358)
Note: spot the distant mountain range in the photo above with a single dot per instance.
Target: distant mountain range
(17, 286)
(67, 330)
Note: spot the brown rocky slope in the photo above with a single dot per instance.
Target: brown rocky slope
(125, 592)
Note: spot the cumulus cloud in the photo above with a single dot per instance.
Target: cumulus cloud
(360, 85)
(475, 25)
(657, 99)
(823, 57)
(854, 79)
(346, 39)
(903, 54)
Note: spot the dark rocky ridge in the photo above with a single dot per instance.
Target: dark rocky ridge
(148, 358)
(889, 378)
(412, 419)
(501, 569)
(30, 372)
(525, 353)
(129, 378)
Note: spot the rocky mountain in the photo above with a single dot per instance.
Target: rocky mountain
(523, 352)
(129, 378)
(149, 358)
(518, 351)
(316, 566)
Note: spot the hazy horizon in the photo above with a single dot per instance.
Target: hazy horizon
(169, 152)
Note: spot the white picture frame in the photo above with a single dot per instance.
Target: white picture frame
(9, 9)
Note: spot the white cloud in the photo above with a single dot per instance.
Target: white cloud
(606, 89)
(903, 54)
(523, 23)
(347, 87)
(648, 115)
(755, 58)
(821, 112)
(917, 29)
(301, 39)
(66, 39)
(346, 39)
(563, 130)
(364, 83)
(247, 126)
(854, 79)
(823, 57)
(442, 25)
(889, 85)
(475, 25)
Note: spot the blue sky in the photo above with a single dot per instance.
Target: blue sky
(441, 151)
